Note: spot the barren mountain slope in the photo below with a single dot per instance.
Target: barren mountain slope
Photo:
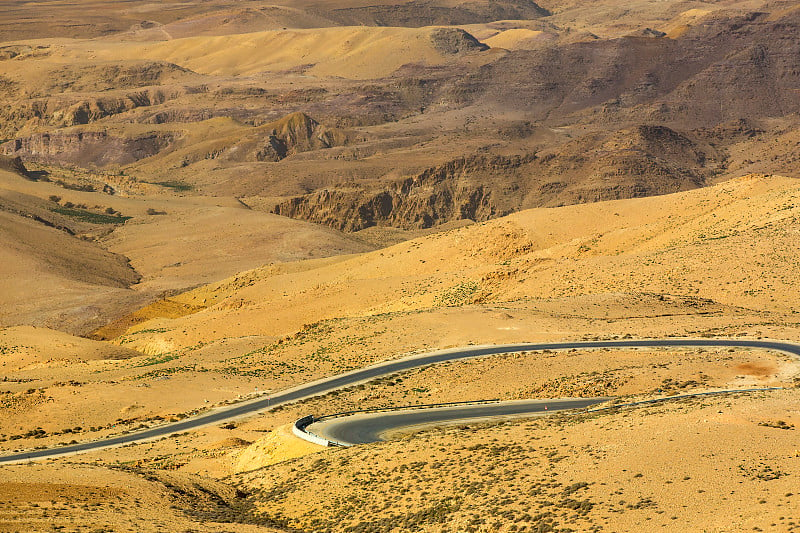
(689, 466)
(714, 261)
(641, 246)
(173, 19)
(201, 188)
(38, 497)
(76, 260)
(348, 52)
(427, 126)
(637, 267)
(29, 347)
(48, 275)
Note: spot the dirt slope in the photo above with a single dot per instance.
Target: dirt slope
(651, 245)
(348, 52)
(713, 261)
(48, 275)
(72, 265)
(689, 466)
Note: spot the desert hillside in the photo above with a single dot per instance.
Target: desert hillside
(630, 267)
(633, 248)
(626, 268)
(209, 209)
(77, 258)
(344, 52)
(413, 116)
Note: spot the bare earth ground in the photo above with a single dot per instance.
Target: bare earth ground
(711, 465)
(202, 202)
(186, 242)
(90, 498)
(394, 114)
(277, 326)
(241, 338)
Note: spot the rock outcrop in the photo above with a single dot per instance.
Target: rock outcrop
(643, 161)
(425, 13)
(65, 111)
(455, 41)
(14, 164)
(87, 148)
(295, 133)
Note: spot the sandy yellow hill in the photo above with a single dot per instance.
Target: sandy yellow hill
(278, 446)
(225, 141)
(514, 39)
(344, 52)
(201, 243)
(49, 276)
(684, 21)
(77, 267)
(43, 497)
(721, 464)
(715, 261)
(660, 245)
(226, 22)
(25, 347)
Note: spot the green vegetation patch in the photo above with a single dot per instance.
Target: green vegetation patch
(175, 185)
(158, 359)
(461, 294)
(169, 371)
(6, 349)
(90, 217)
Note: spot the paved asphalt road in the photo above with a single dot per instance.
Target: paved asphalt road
(351, 378)
(361, 429)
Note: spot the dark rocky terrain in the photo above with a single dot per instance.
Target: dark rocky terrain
(576, 118)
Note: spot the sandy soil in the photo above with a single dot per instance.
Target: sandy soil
(53, 279)
(642, 250)
(721, 464)
(163, 136)
(277, 326)
(91, 498)
(349, 52)
(515, 279)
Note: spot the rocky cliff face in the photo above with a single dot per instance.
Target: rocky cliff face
(437, 195)
(424, 13)
(94, 109)
(13, 164)
(456, 41)
(643, 161)
(86, 148)
(59, 112)
(123, 75)
(718, 71)
(589, 117)
(293, 134)
(268, 143)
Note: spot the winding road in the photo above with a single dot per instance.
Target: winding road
(372, 427)
(348, 379)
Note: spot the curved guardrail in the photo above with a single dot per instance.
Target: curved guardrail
(299, 429)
